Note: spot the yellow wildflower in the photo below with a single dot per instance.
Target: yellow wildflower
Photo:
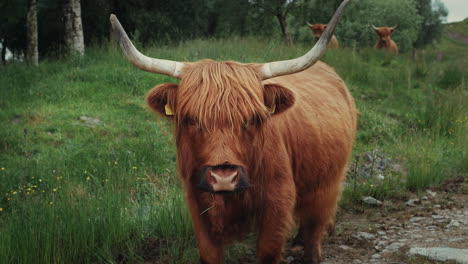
(134, 167)
(88, 178)
(3, 168)
(40, 180)
(14, 192)
(115, 162)
(54, 189)
(1, 209)
(51, 203)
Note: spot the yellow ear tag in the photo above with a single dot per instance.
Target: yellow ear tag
(273, 109)
(168, 110)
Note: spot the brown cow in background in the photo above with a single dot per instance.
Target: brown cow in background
(385, 41)
(259, 145)
(318, 30)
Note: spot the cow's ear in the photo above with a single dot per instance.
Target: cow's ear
(162, 99)
(278, 98)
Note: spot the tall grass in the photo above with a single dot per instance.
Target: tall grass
(72, 192)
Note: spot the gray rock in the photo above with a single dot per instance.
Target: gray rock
(442, 254)
(413, 202)
(371, 201)
(289, 259)
(394, 246)
(417, 219)
(453, 223)
(363, 236)
(344, 247)
(376, 256)
(437, 217)
(373, 165)
(89, 121)
(431, 193)
(458, 239)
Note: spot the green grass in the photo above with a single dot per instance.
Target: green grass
(72, 193)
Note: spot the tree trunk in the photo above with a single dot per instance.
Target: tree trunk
(32, 54)
(73, 28)
(284, 28)
(4, 48)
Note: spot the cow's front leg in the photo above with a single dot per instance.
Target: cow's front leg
(275, 224)
(211, 251)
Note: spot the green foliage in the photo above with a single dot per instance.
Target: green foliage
(355, 27)
(168, 22)
(433, 14)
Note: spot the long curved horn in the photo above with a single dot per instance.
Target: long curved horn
(309, 24)
(374, 27)
(166, 67)
(278, 68)
(393, 28)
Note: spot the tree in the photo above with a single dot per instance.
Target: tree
(280, 9)
(73, 35)
(32, 54)
(13, 27)
(433, 14)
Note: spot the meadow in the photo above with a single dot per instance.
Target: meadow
(73, 191)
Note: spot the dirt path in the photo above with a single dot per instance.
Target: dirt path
(385, 234)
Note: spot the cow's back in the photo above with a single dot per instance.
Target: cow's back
(319, 129)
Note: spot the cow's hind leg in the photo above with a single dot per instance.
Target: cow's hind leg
(298, 240)
(316, 214)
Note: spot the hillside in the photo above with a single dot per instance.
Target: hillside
(457, 31)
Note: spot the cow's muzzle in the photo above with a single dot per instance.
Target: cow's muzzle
(223, 178)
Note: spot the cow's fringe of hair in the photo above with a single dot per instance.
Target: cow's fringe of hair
(221, 94)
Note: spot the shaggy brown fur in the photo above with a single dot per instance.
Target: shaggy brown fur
(318, 30)
(296, 157)
(385, 40)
